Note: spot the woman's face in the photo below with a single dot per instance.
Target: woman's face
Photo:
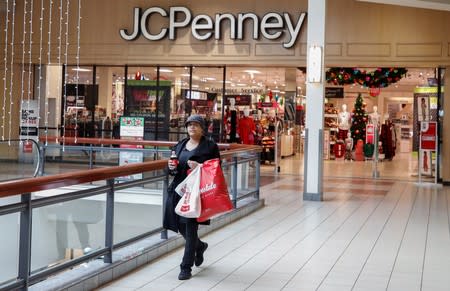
(194, 130)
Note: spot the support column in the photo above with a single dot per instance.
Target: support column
(445, 148)
(313, 161)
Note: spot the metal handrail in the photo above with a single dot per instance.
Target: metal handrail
(25, 207)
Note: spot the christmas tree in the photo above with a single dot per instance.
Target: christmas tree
(358, 128)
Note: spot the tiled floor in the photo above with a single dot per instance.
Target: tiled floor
(366, 235)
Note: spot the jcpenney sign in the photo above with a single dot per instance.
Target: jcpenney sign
(271, 26)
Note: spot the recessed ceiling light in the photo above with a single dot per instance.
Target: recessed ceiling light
(81, 69)
(165, 70)
(252, 71)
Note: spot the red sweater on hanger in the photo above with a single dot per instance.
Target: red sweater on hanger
(246, 130)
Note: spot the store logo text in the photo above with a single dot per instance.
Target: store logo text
(272, 26)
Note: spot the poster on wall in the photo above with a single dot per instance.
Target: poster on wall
(425, 109)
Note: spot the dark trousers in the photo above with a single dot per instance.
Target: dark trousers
(189, 231)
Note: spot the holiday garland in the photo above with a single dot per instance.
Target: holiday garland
(380, 78)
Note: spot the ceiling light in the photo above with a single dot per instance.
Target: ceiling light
(252, 71)
(210, 78)
(81, 69)
(165, 70)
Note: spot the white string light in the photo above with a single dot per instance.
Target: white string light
(49, 61)
(78, 65)
(58, 89)
(41, 22)
(24, 35)
(65, 71)
(30, 63)
(11, 100)
(5, 69)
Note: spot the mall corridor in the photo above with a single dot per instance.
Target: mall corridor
(366, 235)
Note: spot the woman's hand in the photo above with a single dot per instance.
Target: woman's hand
(192, 164)
(171, 164)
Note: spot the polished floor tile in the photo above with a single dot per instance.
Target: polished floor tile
(384, 234)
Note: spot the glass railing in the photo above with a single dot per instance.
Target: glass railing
(53, 223)
(19, 159)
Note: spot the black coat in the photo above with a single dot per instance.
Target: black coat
(206, 150)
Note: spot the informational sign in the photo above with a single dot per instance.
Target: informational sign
(29, 124)
(334, 92)
(131, 128)
(370, 133)
(428, 132)
(428, 144)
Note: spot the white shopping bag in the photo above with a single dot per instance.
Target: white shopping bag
(189, 205)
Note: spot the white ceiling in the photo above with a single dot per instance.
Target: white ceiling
(426, 4)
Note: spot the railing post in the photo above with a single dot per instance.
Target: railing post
(258, 173)
(109, 225)
(234, 182)
(165, 189)
(25, 240)
(42, 160)
(90, 157)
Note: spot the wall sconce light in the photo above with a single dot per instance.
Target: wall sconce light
(314, 69)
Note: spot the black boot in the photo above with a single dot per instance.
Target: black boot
(199, 255)
(185, 274)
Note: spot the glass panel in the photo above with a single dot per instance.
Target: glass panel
(179, 78)
(81, 99)
(246, 177)
(67, 230)
(18, 159)
(111, 92)
(258, 91)
(145, 99)
(9, 251)
(206, 97)
(137, 211)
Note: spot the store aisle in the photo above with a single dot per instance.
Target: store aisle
(365, 235)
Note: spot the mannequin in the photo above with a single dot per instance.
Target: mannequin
(231, 122)
(348, 147)
(374, 117)
(247, 128)
(344, 120)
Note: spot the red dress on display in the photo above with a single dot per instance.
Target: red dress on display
(246, 129)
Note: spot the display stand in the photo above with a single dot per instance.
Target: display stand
(427, 145)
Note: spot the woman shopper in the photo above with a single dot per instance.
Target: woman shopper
(191, 151)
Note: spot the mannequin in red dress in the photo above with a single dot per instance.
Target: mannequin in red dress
(247, 128)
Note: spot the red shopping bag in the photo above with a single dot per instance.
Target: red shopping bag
(214, 195)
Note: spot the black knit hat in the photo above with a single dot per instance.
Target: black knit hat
(196, 118)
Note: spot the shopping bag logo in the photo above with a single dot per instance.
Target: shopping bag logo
(213, 191)
(208, 187)
(186, 207)
(189, 189)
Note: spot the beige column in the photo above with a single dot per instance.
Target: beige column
(105, 88)
(445, 149)
(313, 158)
